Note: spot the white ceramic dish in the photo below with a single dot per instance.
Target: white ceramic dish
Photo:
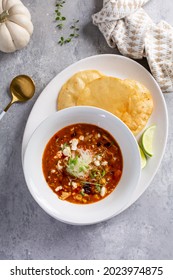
(70, 212)
(118, 66)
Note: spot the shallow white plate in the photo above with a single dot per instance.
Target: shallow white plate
(120, 67)
(72, 213)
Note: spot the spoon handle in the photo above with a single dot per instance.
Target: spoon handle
(5, 110)
(2, 114)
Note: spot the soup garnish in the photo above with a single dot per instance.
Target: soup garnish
(82, 163)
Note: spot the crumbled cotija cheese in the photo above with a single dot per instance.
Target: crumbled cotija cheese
(81, 137)
(103, 191)
(67, 152)
(104, 163)
(97, 163)
(59, 166)
(58, 188)
(53, 171)
(74, 142)
(74, 185)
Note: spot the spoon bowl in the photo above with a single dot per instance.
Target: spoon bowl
(22, 88)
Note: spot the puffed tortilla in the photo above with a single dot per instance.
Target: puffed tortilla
(71, 90)
(129, 100)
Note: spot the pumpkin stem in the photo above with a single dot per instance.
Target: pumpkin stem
(4, 16)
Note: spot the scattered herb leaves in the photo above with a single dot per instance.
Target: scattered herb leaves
(61, 20)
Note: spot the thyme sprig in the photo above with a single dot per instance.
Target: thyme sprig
(59, 16)
(61, 20)
(72, 35)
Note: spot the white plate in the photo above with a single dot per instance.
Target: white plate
(120, 67)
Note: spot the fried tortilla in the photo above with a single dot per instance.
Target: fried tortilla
(129, 100)
(73, 87)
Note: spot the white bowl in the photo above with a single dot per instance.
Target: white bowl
(75, 213)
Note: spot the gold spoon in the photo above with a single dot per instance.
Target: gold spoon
(22, 88)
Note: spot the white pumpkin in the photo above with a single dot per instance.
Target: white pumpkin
(15, 25)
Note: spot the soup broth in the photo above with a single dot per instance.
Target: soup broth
(82, 163)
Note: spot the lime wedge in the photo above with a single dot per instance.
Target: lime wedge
(143, 158)
(147, 140)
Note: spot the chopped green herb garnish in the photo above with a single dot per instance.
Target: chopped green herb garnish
(81, 169)
(64, 146)
(93, 174)
(98, 188)
(73, 161)
(82, 193)
(103, 173)
(97, 174)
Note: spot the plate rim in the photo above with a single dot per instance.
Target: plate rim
(73, 65)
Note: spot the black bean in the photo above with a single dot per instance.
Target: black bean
(107, 144)
(98, 144)
(86, 185)
(87, 191)
(87, 188)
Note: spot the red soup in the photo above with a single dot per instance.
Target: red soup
(82, 163)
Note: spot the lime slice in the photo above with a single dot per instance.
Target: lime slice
(147, 140)
(143, 158)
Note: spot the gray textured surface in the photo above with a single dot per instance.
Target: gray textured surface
(143, 231)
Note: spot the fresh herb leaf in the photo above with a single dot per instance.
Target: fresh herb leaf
(92, 174)
(58, 12)
(81, 169)
(97, 174)
(98, 188)
(82, 193)
(65, 144)
(60, 25)
(103, 173)
(67, 40)
(73, 161)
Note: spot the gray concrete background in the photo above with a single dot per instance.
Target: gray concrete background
(143, 231)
